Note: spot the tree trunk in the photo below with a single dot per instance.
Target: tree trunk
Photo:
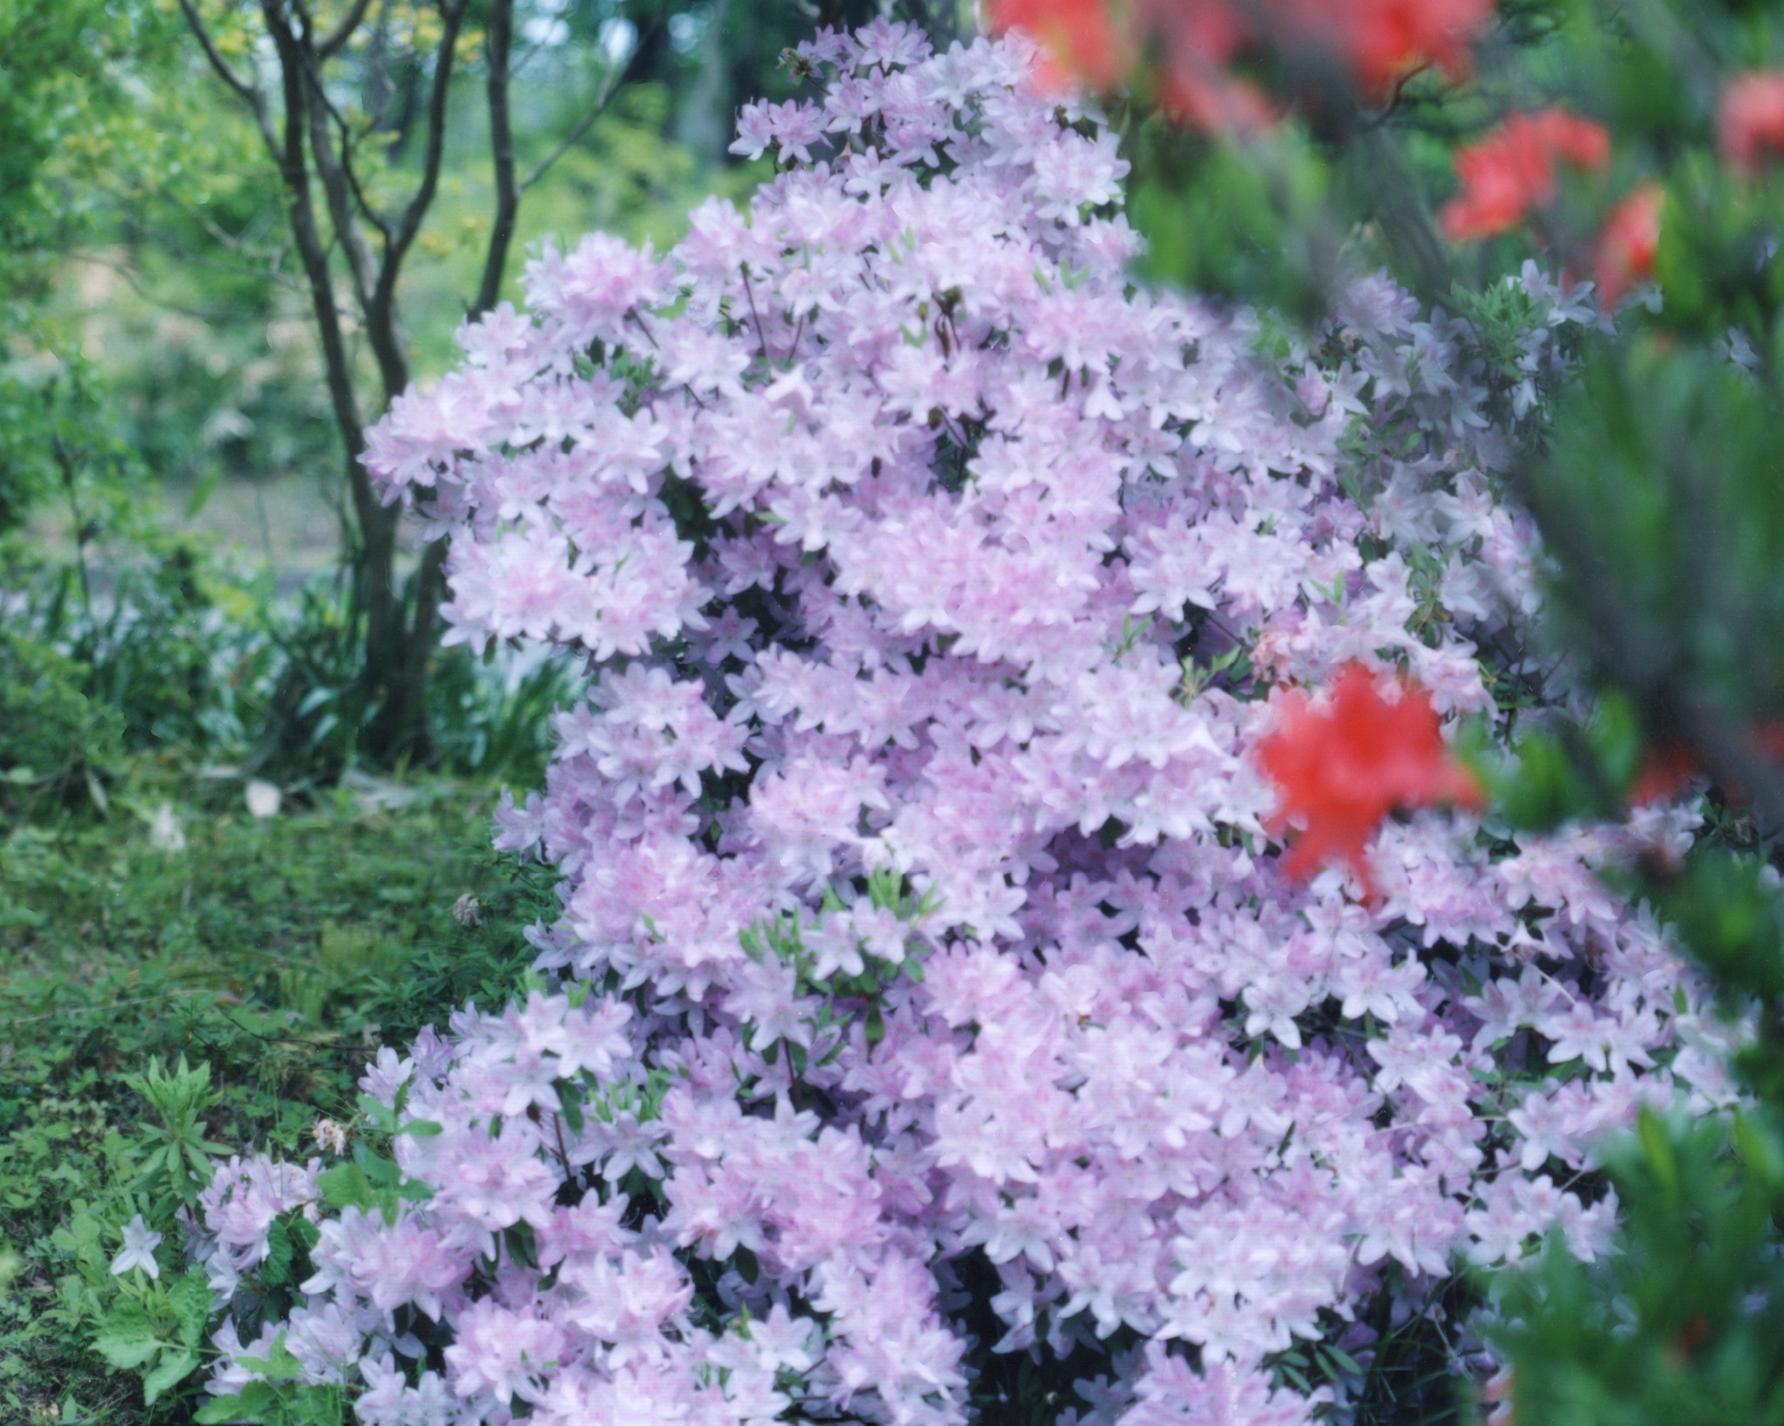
(312, 144)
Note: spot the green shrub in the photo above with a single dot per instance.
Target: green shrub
(55, 740)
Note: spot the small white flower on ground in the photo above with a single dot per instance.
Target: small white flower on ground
(468, 910)
(139, 1249)
(165, 832)
(263, 799)
(330, 1136)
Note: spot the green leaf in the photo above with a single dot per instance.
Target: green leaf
(1615, 737)
(126, 1340)
(201, 1163)
(345, 1186)
(275, 1270)
(318, 1406)
(380, 1170)
(276, 1365)
(413, 1190)
(191, 1299)
(378, 1113)
(250, 1405)
(1342, 1358)
(202, 490)
(1658, 1150)
(570, 1105)
(173, 1369)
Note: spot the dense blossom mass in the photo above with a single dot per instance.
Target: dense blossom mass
(930, 1006)
(1512, 169)
(1199, 46)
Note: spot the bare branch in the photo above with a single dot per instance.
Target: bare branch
(609, 91)
(339, 192)
(156, 299)
(410, 222)
(325, 157)
(331, 43)
(294, 171)
(501, 147)
(248, 93)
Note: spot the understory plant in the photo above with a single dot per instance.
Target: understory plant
(932, 1031)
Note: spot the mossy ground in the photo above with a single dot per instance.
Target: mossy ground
(282, 951)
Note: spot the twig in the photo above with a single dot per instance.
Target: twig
(608, 93)
(410, 223)
(249, 94)
(750, 292)
(338, 37)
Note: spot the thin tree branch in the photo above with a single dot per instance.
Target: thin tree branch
(501, 147)
(340, 169)
(337, 189)
(134, 281)
(331, 43)
(609, 92)
(410, 223)
(249, 94)
(360, 197)
(294, 170)
(379, 307)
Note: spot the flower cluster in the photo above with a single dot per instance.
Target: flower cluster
(1750, 120)
(929, 1012)
(1512, 169)
(1510, 174)
(1343, 769)
(1199, 43)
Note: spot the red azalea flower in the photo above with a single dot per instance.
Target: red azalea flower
(1196, 41)
(1512, 170)
(1627, 243)
(1584, 143)
(1385, 40)
(1750, 119)
(1667, 766)
(1665, 769)
(1341, 768)
(1079, 37)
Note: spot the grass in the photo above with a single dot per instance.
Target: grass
(281, 951)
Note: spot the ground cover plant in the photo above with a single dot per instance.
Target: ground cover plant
(934, 1034)
(266, 954)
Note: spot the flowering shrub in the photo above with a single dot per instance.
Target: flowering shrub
(1199, 44)
(1512, 169)
(930, 1026)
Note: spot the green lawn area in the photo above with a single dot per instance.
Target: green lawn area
(281, 951)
